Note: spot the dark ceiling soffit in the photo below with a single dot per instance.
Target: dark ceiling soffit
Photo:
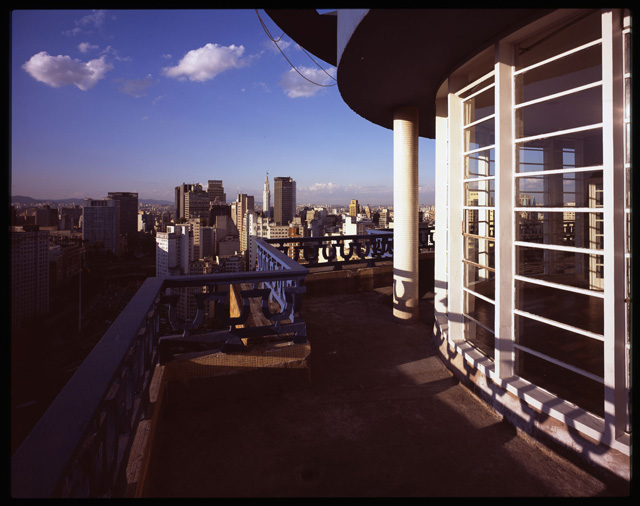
(317, 33)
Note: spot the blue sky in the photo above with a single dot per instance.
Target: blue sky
(144, 100)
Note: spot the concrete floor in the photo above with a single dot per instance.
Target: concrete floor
(381, 417)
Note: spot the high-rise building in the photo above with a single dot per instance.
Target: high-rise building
(243, 206)
(217, 196)
(266, 198)
(180, 192)
(354, 208)
(101, 223)
(284, 200)
(128, 211)
(196, 203)
(29, 275)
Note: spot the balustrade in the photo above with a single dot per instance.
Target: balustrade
(339, 250)
(80, 446)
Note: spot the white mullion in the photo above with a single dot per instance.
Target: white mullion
(564, 365)
(560, 325)
(558, 56)
(558, 133)
(504, 217)
(557, 95)
(478, 208)
(570, 249)
(559, 286)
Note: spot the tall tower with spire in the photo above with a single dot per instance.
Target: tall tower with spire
(266, 197)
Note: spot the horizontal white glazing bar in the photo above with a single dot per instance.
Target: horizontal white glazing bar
(598, 210)
(559, 94)
(564, 365)
(478, 208)
(557, 171)
(476, 93)
(560, 325)
(568, 288)
(476, 294)
(558, 133)
(478, 150)
(557, 57)
(479, 178)
(571, 249)
(481, 120)
(477, 322)
(476, 82)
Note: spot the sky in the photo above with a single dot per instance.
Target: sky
(144, 100)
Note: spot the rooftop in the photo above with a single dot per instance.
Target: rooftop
(375, 413)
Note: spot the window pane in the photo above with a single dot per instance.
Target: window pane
(480, 193)
(482, 338)
(567, 228)
(579, 149)
(480, 251)
(480, 280)
(480, 106)
(570, 189)
(569, 385)
(577, 69)
(480, 164)
(479, 222)
(569, 268)
(558, 38)
(576, 309)
(562, 113)
(480, 135)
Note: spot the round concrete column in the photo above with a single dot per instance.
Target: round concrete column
(405, 212)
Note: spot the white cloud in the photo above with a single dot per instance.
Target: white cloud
(207, 62)
(61, 70)
(136, 87)
(85, 47)
(324, 187)
(93, 20)
(296, 86)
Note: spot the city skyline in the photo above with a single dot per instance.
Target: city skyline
(142, 100)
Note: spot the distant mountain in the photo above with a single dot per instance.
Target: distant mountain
(21, 199)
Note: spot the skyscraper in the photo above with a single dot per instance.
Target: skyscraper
(354, 208)
(180, 193)
(284, 200)
(217, 196)
(29, 275)
(101, 223)
(266, 198)
(128, 211)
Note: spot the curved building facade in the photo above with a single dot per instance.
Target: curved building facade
(530, 112)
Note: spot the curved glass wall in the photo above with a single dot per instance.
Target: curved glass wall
(536, 171)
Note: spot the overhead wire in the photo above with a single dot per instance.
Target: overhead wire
(266, 30)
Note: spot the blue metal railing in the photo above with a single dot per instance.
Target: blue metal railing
(80, 446)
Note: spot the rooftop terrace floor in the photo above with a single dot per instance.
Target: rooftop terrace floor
(381, 417)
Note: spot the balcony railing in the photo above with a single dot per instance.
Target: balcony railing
(339, 250)
(80, 446)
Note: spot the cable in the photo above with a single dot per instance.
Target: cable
(264, 27)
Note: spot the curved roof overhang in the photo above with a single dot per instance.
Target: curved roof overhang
(396, 57)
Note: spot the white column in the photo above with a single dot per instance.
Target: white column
(405, 210)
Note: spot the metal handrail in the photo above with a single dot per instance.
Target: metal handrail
(80, 446)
